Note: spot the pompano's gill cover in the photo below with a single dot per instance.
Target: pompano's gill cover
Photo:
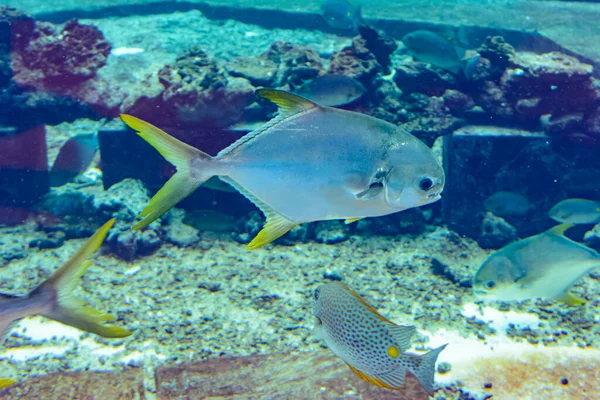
(310, 163)
(372, 346)
(541, 266)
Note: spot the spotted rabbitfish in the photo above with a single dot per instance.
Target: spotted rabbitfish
(372, 346)
(541, 266)
(54, 298)
(310, 163)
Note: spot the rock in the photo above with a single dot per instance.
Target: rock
(83, 210)
(592, 238)
(564, 124)
(493, 100)
(498, 53)
(197, 95)
(455, 273)
(495, 232)
(592, 122)
(50, 240)
(368, 55)
(248, 227)
(54, 72)
(177, 232)
(379, 45)
(295, 63)
(53, 60)
(127, 244)
(331, 232)
(260, 71)
(422, 78)
(457, 102)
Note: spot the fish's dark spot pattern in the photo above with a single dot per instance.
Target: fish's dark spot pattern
(564, 381)
(487, 385)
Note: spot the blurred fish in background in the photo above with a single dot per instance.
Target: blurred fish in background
(74, 157)
(341, 14)
(332, 90)
(541, 266)
(431, 48)
(506, 204)
(576, 211)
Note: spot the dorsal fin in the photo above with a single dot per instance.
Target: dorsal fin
(289, 104)
(559, 230)
(364, 303)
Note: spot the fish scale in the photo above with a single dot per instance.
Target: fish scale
(372, 346)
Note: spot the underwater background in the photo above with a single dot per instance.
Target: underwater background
(501, 269)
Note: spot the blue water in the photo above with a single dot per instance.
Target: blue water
(505, 94)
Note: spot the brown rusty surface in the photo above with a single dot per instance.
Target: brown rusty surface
(302, 376)
(117, 385)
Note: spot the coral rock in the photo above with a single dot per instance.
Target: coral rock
(196, 93)
(58, 60)
(421, 78)
(495, 232)
(368, 55)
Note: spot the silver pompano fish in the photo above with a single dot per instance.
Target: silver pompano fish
(540, 266)
(372, 346)
(310, 163)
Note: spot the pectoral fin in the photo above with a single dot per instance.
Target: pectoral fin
(571, 299)
(373, 190)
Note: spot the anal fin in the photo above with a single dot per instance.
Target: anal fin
(370, 379)
(571, 299)
(276, 226)
(351, 220)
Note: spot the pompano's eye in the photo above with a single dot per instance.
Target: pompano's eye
(425, 184)
(490, 284)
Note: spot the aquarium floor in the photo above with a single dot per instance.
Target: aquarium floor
(216, 299)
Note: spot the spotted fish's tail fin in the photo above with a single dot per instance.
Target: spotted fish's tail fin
(5, 382)
(189, 161)
(59, 289)
(425, 370)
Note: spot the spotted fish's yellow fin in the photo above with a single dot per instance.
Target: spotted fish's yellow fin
(351, 220)
(560, 230)
(370, 379)
(364, 303)
(189, 161)
(6, 382)
(276, 225)
(287, 102)
(571, 299)
(70, 310)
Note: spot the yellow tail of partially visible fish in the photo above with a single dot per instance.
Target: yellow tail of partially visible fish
(372, 346)
(54, 298)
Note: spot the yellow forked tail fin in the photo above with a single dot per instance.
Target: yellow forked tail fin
(5, 382)
(189, 161)
(59, 288)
